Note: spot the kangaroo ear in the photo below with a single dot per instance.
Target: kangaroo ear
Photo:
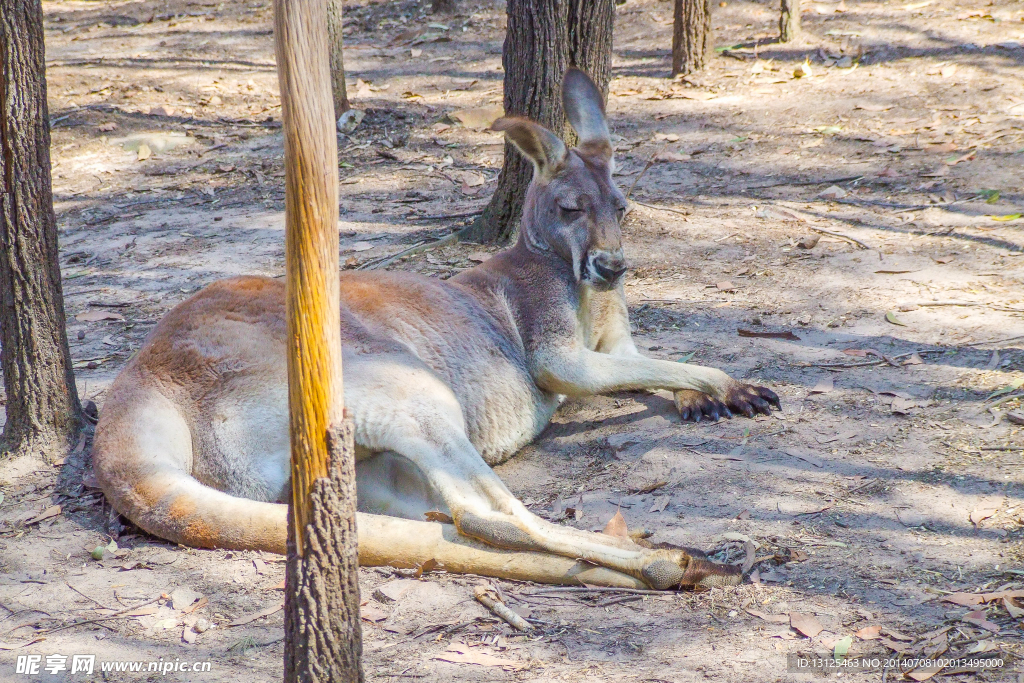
(584, 107)
(537, 143)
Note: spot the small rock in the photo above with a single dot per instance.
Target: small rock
(350, 120)
(802, 71)
(1015, 417)
(201, 626)
(845, 62)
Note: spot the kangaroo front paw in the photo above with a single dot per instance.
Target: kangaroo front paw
(751, 400)
(674, 569)
(696, 405)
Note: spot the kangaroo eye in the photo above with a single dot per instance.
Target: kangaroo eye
(570, 213)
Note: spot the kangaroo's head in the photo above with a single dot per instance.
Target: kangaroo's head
(573, 208)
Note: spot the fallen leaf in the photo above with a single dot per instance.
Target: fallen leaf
(892, 272)
(436, 516)
(799, 556)
(890, 316)
(965, 599)
(479, 256)
(767, 335)
(771, 618)
(1012, 609)
(901, 405)
(1013, 386)
(808, 241)
(914, 360)
(823, 386)
(858, 353)
(241, 621)
(725, 286)
(49, 512)
(869, 633)
(373, 613)
(842, 647)
(948, 71)
(278, 586)
(478, 118)
(144, 152)
(807, 624)
(427, 567)
(744, 514)
(470, 179)
(983, 512)
(162, 110)
(616, 526)
(96, 316)
(183, 597)
(361, 246)
(106, 127)
(978, 618)
(188, 635)
(198, 605)
(660, 504)
(260, 566)
(802, 70)
(872, 107)
(1008, 217)
(833, 192)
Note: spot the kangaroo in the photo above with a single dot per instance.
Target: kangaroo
(442, 379)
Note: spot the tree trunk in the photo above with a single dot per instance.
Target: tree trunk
(442, 7)
(338, 88)
(44, 415)
(691, 36)
(590, 39)
(789, 21)
(543, 38)
(322, 631)
(322, 588)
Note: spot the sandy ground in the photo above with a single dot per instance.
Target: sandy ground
(886, 483)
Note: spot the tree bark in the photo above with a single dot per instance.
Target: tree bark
(543, 38)
(789, 21)
(322, 588)
(691, 36)
(322, 631)
(338, 88)
(44, 415)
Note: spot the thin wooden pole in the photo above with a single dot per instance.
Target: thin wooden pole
(322, 628)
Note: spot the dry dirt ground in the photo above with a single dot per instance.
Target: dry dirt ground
(885, 484)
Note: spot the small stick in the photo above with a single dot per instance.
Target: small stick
(598, 589)
(500, 610)
(650, 162)
(86, 596)
(663, 208)
(106, 618)
(840, 236)
(619, 600)
(444, 241)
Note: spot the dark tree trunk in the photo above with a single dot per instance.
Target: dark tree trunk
(789, 21)
(543, 38)
(338, 88)
(43, 412)
(691, 37)
(322, 591)
(590, 39)
(442, 7)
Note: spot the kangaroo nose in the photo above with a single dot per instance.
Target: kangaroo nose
(609, 265)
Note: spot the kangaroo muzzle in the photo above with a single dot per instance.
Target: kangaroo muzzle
(604, 268)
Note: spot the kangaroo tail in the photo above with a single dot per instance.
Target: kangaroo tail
(142, 456)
